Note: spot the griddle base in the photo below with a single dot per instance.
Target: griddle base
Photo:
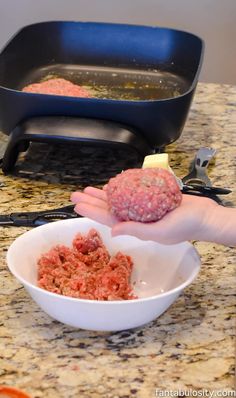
(73, 131)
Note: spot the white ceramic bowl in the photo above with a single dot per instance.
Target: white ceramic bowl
(160, 272)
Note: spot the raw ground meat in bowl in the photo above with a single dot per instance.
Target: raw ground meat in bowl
(159, 275)
(86, 270)
(144, 195)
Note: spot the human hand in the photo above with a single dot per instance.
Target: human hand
(192, 220)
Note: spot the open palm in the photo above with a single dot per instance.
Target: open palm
(183, 223)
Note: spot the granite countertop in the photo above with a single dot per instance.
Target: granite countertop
(190, 347)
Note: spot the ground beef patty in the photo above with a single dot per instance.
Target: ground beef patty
(144, 195)
(58, 87)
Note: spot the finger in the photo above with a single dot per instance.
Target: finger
(74, 197)
(98, 214)
(80, 197)
(95, 192)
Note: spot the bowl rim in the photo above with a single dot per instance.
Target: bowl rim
(167, 293)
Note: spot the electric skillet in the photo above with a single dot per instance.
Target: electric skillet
(161, 58)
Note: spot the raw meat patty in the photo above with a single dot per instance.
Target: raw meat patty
(86, 270)
(143, 195)
(57, 87)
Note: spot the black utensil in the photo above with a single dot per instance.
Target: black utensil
(37, 218)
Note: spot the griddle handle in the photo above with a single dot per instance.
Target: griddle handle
(71, 130)
(14, 147)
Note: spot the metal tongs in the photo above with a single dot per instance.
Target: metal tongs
(197, 181)
(37, 218)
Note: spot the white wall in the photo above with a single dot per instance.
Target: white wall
(213, 20)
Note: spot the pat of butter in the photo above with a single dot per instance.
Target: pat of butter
(158, 160)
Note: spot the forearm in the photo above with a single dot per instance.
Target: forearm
(220, 226)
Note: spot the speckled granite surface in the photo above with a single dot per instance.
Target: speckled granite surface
(190, 347)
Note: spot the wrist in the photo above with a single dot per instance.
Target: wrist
(219, 225)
